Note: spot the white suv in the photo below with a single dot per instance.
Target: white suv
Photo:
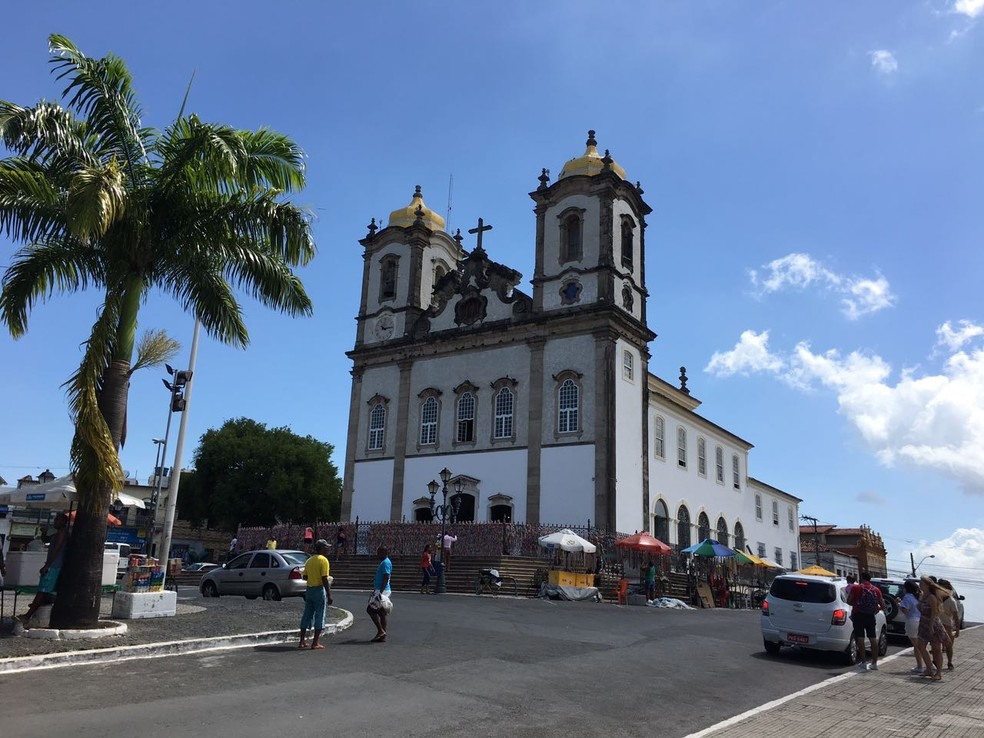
(812, 612)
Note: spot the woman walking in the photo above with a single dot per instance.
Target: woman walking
(909, 605)
(932, 635)
(427, 568)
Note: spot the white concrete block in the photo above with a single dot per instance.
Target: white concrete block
(136, 605)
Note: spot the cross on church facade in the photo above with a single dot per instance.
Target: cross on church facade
(481, 228)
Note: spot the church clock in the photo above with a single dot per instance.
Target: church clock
(384, 327)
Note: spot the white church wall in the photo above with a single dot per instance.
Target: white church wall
(567, 484)
(383, 381)
(552, 267)
(781, 535)
(684, 486)
(372, 490)
(482, 367)
(495, 309)
(622, 208)
(498, 472)
(569, 353)
(628, 440)
(402, 278)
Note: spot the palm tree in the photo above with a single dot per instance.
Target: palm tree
(196, 211)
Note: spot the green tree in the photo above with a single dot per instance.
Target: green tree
(196, 211)
(248, 474)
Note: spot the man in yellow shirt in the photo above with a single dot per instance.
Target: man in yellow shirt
(317, 596)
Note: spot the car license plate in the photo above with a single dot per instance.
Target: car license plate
(798, 638)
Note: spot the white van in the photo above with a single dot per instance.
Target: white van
(123, 550)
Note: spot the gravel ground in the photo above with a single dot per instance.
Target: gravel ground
(197, 617)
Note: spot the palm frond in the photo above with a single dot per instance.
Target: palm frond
(272, 160)
(65, 264)
(31, 204)
(155, 348)
(97, 198)
(101, 92)
(93, 454)
(45, 133)
(203, 292)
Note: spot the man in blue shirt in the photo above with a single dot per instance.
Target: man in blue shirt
(379, 603)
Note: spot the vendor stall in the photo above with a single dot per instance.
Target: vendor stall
(568, 566)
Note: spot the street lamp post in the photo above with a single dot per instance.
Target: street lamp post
(176, 404)
(915, 566)
(443, 512)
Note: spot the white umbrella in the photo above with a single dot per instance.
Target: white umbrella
(58, 493)
(567, 540)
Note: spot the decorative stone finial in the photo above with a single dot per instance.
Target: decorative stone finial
(639, 188)
(544, 179)
(416, 192)
(372, 228)
(683, 380)
(458, 237)
(607, 160)
(591, 139)
(418, 214)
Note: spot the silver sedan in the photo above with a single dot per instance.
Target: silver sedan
(269, 573)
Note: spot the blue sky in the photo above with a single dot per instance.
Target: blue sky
(813, 255)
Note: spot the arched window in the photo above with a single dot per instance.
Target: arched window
(388, 269)
(428, 422)
(377, 426)
(627, 239)
(701, 456)
(571, 234)
(740, 541)
(568, 396)
(466, 507)
(682, 447)
(500, 514)
(703, 527)
(683, 526)
(503, 413)
(722, 532)
(659, 432)
(661, 526)
(466, 418)
(719, 463)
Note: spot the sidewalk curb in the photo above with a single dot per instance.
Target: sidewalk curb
(20, 664)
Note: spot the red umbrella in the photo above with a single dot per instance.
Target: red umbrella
(110, 518)
(643, 542)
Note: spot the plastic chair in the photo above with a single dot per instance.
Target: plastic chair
(622, 591)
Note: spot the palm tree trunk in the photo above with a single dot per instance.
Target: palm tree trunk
(80, 584)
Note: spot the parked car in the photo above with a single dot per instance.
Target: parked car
(892, 594)
(811, 612)
(269, 573)
(201, 567)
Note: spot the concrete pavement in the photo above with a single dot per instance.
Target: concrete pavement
(890, 701)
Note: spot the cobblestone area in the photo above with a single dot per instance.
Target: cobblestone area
(890, 701)
(197, 617)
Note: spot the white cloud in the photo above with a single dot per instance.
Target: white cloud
(933, 421)
(958, 558)
(861, 295)
(750, 355)
(956, 339)
(883, 61)
(970, 8)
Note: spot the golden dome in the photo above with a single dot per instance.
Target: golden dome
(591, 163)
(407, 216)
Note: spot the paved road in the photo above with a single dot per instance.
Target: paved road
(452, 666)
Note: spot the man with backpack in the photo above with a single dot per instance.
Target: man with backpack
(865, 600)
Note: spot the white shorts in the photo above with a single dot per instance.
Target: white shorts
(912, 627)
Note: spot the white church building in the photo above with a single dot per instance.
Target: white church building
(542, 405)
